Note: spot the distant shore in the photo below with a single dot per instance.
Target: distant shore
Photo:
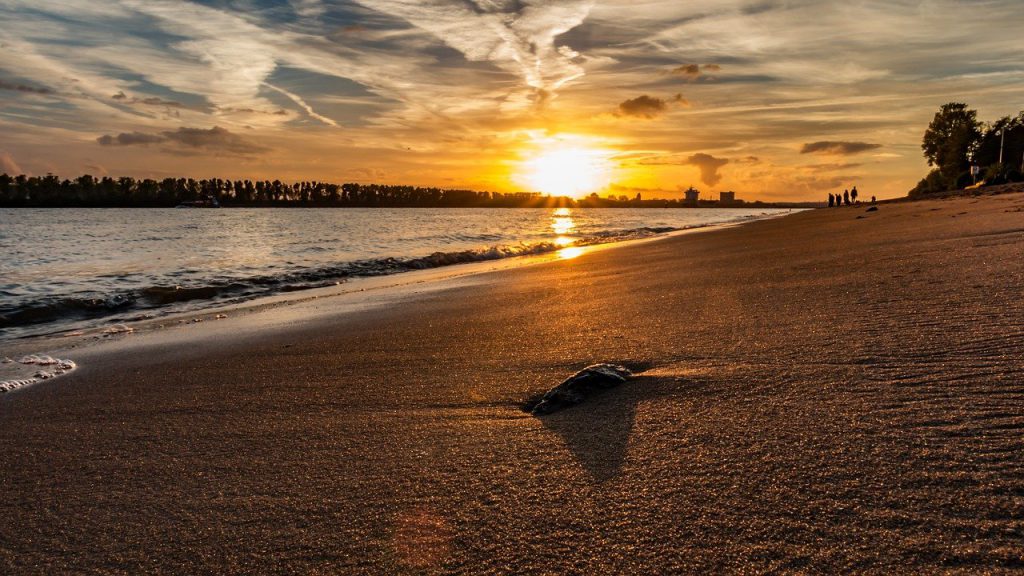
(832, 391)
(125, 192)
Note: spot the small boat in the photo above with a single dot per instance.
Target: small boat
(209, 202)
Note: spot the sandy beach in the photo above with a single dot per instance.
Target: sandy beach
(832, 391)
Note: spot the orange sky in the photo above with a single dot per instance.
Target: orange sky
(775, 100)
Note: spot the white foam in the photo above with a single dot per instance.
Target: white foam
(119, 329)
(50, 368)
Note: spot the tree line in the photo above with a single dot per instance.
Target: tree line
(956, 140)
(90, 192)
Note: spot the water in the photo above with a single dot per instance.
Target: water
(63, 269)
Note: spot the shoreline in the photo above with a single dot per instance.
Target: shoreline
(833, 391)
(133, 301)
(353, 295)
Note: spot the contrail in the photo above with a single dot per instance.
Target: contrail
(302, 103)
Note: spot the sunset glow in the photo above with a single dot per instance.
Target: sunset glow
(511, 286)
(570, 172)
(775, 101)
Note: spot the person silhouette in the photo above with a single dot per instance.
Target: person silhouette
(831, 200)
(846, 197)
(853, 194)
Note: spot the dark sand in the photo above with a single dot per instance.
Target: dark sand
(826, 393)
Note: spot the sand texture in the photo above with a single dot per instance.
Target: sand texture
(833, 391)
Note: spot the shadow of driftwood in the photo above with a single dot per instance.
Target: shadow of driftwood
(597, 432)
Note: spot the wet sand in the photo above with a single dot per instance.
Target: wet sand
(833, 391)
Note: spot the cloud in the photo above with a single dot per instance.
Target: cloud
(8, 165)
(367, 174)
(96, 169)
(215, 138)
(4, 85)
(690, 70)
(308, 8)
(222, 55)
(518, 37)
(648, 106)
(837, 148)
(130, 139)
(694, 71)
(709, 166)
(277, 112)
(449, 75)
(833, 167)
(212, 139)
(150, 101)
(622, 189)
(154, 101)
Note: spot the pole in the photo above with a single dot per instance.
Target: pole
(1002, 138)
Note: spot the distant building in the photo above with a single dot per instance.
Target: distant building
(691, 195)
(728, 199)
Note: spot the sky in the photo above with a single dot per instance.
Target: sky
(776, 100)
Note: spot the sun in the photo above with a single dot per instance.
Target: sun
(572, 171)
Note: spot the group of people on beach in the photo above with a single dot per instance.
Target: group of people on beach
(847, 198)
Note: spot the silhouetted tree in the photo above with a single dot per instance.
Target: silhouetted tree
(1007, 135)
(955, 140)
(950, 140)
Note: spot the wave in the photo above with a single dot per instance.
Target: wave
(48, 367)
(168, 299)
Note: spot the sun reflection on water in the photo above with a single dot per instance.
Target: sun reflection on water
(563, 226)
(570, 252)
